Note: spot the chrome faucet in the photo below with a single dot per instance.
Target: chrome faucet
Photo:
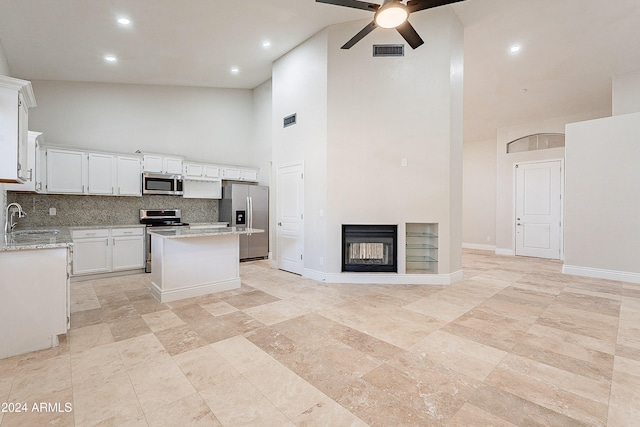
(9, 224)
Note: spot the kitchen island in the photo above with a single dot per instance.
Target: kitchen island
(192, 262)
(34, 284)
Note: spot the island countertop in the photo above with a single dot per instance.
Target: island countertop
(186, 232)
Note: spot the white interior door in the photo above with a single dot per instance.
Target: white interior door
(538, 209)
(289, 215)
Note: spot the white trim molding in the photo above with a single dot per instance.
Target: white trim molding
(384, 278)
(600, 273)
(479, 247)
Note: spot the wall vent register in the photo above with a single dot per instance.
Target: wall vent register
(388, 50)
(290, 120)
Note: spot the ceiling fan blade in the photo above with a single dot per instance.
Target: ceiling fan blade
(355, 39)
(371, 7)
(416, 5)
(409, 33)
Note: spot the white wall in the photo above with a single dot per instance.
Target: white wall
(479, 195)
(262, 131)
(4, 63)
(505, 240)
(382, 110)
(262, 144)
(358, 117)
(204, 124)
(300, 87)
(626, 93)
(602, 204)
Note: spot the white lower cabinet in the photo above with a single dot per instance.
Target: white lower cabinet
(127, 249)
(106, 250)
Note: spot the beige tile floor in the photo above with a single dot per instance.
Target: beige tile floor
(516, 343)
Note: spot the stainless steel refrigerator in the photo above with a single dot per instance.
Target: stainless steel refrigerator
(244, 205)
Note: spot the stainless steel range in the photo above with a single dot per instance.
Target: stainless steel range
(159, 218)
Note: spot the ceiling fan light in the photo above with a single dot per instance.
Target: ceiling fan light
(391, 16)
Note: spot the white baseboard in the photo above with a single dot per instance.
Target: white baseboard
(503, 251)
(478, 246)
(599, 273)
(313, 274)
(193, 291)
(384, 278)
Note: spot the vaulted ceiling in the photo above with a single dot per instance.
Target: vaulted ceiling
(570, 49)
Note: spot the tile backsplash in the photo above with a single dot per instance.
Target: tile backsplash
(104, 210)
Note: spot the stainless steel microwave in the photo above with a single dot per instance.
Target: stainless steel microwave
(160, 183)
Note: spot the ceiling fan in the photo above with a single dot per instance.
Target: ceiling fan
(390, 14)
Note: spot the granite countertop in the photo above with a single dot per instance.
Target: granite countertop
(194, 225)
(182, 232)
(103, 226)
(41, 238)
(47, 237)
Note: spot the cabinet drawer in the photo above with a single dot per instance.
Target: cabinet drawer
(79, 234)
(138, 231)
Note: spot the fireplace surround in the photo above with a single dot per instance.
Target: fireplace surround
(370, 248)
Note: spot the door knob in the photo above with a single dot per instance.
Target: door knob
(280, 224)
(518, 224)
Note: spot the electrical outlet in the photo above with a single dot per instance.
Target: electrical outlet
(52, 211)
(403, 162)
(488, 238)
(321, 261)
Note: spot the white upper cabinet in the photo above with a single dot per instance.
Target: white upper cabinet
(155, 163)
(66, 171)
(249, 174)
(211, 171)
(235, 173)
(16, 97)
(231, 173)
(201, 171)
(193, 170)
(79, 172)
(101, 174)
(34, 166)
(128, 176)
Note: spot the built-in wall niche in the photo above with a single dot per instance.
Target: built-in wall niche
(422, 248)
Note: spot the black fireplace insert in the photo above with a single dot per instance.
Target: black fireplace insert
(370, 248)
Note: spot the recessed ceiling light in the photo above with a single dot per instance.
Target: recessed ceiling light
(235, 70)
(110, 58)
(515, 48)
(124, 21)
(266, 43)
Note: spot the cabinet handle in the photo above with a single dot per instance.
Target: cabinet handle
(127, 232)
(30, 174)
(83, 188)
(114, 242)
(90, 234)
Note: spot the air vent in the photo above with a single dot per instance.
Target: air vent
(290, 120)
(388, 50)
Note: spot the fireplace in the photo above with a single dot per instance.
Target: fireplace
(370, 248)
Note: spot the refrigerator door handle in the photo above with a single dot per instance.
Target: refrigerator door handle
(251, 212)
